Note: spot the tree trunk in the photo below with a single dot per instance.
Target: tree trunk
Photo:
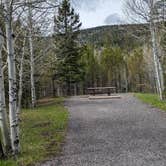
(2, 155)
(161, 75)
(14, 135)
(32, 63)
(5, 139)
(21, 80)
(156, 60)
(126, 78)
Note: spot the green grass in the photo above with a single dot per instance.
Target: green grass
(152, 99)
(42, 134)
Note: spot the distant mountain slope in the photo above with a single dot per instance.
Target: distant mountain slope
(119, 35)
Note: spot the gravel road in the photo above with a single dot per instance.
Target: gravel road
(118, 132)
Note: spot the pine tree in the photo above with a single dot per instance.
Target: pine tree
(67, 25)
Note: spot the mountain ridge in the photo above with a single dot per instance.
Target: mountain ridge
(119, 35)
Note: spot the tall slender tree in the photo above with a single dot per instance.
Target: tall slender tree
(14, 135)
(32, 62)
(148, 11)
(67, 25)
(4, 130)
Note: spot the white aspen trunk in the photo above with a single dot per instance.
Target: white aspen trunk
(157, 64)
(126, 79)
(3, 114)
(161, 75)
(21, 80)
(156, 61)
(33, 93)
(32, 63)
(14, 135)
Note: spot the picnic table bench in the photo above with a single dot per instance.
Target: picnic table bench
(97, 90)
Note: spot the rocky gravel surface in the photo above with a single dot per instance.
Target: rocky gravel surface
(116, 132)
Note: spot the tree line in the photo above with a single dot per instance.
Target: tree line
(22, 25)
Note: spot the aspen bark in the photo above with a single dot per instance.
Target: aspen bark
(32, 61)
(157, 63)
(14, 135)
(21, 79)
(4, 129)
(126, 78)
(161, 75)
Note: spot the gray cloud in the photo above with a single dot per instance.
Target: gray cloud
(96, 12)
(114, 18)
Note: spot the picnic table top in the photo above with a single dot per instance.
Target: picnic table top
(95, 88)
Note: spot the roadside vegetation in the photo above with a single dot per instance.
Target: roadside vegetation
(152, 99)
(42, 133)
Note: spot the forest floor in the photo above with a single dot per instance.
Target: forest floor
(117, 132)
(42, 132)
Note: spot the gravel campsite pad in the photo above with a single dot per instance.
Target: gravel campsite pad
(116, 132)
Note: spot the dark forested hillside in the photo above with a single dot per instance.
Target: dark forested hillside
(116, 35)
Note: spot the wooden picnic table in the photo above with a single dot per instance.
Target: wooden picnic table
(108, 90)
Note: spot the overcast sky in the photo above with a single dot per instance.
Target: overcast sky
(100, 12)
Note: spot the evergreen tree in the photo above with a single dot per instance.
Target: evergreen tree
(67, 25)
